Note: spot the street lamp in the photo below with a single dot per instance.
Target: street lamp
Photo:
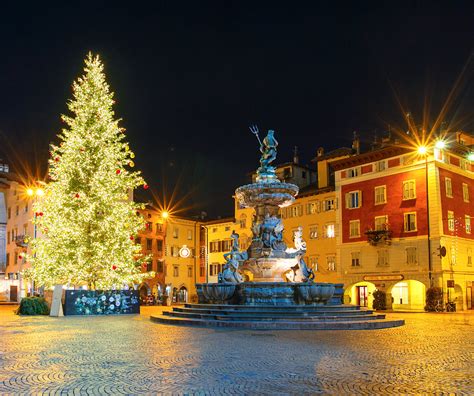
(423, 150)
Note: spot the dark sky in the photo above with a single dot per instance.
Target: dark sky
(191, 76)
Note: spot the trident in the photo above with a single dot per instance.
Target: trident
(254, 130)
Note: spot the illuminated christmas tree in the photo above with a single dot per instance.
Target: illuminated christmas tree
(86, 217)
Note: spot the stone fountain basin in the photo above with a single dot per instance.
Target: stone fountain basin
(280, 194)
(315, 293)
(217, 292)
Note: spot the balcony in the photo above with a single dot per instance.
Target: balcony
(376, 237)
(22, 240)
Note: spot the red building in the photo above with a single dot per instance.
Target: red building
(398, 210)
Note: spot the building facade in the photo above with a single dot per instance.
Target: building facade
(405, 225)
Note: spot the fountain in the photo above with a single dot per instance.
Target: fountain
(280, 287)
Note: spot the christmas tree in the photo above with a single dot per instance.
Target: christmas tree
(87, 220)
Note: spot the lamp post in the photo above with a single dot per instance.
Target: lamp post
(423, 150)
(34, 192)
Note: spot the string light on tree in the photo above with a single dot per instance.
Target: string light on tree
(89, 239)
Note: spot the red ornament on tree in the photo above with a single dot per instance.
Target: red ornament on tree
(131, 237)
(146, 186)
(57, 159)
(77, 195)
(117, 171)
(40, 214)
(114, 267)
(20, 257)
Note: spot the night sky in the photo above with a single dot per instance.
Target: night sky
(190, 77)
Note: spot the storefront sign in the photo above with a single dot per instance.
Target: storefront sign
(383, 277)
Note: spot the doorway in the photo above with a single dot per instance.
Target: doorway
(362, 296)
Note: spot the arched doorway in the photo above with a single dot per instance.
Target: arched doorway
(360, 293)
(182, 295)
(456, 296)
(408, 295)
(143, 292)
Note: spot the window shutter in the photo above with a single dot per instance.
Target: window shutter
(360, 198)
(318, 206)
(300, 210)
(348, 200)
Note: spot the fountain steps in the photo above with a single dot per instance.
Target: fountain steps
(307, 317)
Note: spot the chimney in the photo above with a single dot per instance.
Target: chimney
(320, 152)
(356, 143)
(296, 158)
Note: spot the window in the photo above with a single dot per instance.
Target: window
(190, 235)
(226, 245)
(331, 261)
(354, 229)
(354, 172)
(243, 221)
(159, 266)
(411, 255)
(227, 228)
(463, 164)
(202, 271)
(354, 199)
(329, 230)
(449, 187)
(159, 227)
(381, 223)
(159, 245)
(312, 207)
(313, 262)
(410, 222)
(149, 267)
(469, 257)
(175, 232)
(296, 210)
(148, 226)
(26, 208)
(138, 240)
(453, 255)
(465, 192)
(149, 244)
(175, 271)
(329, 204)
(380, 166)
(17, 210)
(450, 220)
(313, 232)
(287, 173)
(174, 251)
(214, 247)
(467, 222)
(382, 258)
(190, 271)
(214, 230)
(409, 189)
(355, 259)
(380, 195)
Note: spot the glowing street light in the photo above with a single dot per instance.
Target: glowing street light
(440, 144)
(165, 214)
(422, 150)
(470, 157)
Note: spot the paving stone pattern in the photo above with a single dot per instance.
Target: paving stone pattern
(431, 354)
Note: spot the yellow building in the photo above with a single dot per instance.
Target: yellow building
(17, 228)
(174, 245)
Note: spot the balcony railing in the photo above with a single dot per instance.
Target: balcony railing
(376, 237)
(22, 240)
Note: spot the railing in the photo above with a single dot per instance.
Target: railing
(22, 240)
(379, 236)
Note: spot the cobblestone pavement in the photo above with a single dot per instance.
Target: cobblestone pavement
(431, 354)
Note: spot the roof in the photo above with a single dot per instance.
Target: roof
(313, 189)
(339, 152)
(369, 156)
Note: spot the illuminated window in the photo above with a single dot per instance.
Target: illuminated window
(226, 245)
(313, 232)
(329, 204)
(449, 187)
(409, 189)
(355, 259)
(331, 261)
(243, 221)
(467, 221)
(411, 255)
(312, 207)
(313, 262)
(381, 223)
(159, 227)
(354, 199)
(214, 247)
(410, 222)
(380, 166)
(174, 251)
(450, 220)
(354, 229)
(380, 195)
(329, 230)
(465, 192)
(382, 258)
(463, 164)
